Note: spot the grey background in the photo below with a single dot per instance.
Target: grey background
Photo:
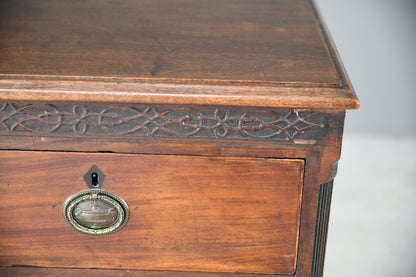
(376, 40)
(372, 229)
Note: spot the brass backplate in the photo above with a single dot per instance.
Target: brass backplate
(96, 212)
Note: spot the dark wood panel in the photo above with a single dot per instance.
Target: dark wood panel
(187, 213)
(210, 52)
(53, 272)
(212, 40)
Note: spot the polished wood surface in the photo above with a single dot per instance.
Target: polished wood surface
(252, 53)
(207, 40)
(188, 213)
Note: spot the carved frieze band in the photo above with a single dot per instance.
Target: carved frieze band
(139, 120)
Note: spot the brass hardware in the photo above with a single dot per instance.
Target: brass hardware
(95, 211)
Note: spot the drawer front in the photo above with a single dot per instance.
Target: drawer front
(187, 213)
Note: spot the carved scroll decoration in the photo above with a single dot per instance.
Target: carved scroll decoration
(157, 121)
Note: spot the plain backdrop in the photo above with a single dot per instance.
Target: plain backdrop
(376, 40)
(372, 229)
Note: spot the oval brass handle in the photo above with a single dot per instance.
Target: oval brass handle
(95, 211)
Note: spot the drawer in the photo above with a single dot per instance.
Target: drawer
(187, 213)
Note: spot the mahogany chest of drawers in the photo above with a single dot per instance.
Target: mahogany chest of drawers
(167, 138)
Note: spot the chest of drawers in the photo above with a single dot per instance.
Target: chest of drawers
(161, 138)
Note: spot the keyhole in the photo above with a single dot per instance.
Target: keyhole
(94, 179)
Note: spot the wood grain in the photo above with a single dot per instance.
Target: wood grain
(75, 272)
(50, 90)
(247, 40)
(187, 213)
(213, 52)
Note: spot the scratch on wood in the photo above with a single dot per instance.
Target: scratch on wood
(90, 250)
(194, 213)
(157, 64)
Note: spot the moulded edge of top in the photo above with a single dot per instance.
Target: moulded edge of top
(175, 93)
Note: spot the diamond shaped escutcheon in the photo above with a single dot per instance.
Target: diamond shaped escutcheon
(94, 178)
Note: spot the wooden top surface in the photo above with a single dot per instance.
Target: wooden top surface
(238, 52)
